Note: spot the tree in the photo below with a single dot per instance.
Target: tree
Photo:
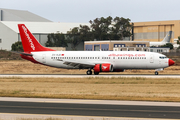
(178, 37)
(78, 35)
(168, 45)
(109, 28)
(178, 40)
(73, 37)
(121, 28)
(101, 28)
(85, 33)
(17, 46)
(56, 40)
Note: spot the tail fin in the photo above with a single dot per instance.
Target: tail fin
(29, 42)
(168, 37)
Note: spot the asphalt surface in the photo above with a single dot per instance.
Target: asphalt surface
(86, 76)
(61, 107)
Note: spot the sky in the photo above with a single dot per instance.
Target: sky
(82, 11)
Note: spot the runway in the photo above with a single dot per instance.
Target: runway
(96, 108)
(86, 76)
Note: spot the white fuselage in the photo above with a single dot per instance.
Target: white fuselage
(119, 59)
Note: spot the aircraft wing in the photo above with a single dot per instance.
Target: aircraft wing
(76, 64)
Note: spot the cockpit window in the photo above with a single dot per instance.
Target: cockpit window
(162, 57)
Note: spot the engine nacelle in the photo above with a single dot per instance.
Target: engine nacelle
(106, 67)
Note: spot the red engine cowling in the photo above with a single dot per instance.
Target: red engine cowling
(106, 67)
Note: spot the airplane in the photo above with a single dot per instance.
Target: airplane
(99, 61)
(164, 41)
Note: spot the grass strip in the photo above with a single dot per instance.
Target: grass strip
(122, 88)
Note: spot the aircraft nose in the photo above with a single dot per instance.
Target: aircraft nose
(171, 62)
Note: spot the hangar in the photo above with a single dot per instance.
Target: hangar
(40, 27)
(155, 31)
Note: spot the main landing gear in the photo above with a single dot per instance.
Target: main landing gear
(89, 72)
(156, 73)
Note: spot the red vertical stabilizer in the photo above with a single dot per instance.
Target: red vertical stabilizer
(29, 42)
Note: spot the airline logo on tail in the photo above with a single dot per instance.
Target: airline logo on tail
(28, 37)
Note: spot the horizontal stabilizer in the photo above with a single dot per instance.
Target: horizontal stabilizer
(22, 53)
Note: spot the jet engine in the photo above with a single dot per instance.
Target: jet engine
(106, 67)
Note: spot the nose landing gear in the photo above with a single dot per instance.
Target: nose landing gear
(156, 71)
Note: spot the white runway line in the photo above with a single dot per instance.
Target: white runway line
(87, 76)
(82, 101)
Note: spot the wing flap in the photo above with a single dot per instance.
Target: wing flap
(77, 64)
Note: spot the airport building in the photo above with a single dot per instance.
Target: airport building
(114, 45)
(156, 31)
(122, 46)
(39, 26)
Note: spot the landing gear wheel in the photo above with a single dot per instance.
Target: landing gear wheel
(156, 73)
(96, 73)
(89, 72)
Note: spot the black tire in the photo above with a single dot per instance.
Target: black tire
(89, 72)
(156, 73)
(96, 73)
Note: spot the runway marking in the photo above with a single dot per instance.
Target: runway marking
(84, 101)
(71, 101)
(109, 118)
(88, 76)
